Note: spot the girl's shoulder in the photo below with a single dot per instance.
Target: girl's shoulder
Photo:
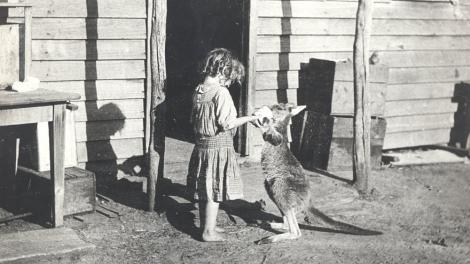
(222, 91)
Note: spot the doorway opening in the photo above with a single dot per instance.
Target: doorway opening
(195, 27)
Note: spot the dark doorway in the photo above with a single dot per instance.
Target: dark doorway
(195, 27)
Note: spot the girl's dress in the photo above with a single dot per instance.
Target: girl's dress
(213, 172)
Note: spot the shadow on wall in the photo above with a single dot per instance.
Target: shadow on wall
(285, 48)
(459, 134)
(100, 152)
(128, 190)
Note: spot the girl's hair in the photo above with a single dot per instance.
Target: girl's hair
(222, 61)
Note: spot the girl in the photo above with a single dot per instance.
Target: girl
(213, 174)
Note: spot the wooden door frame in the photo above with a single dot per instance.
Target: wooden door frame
(148, 80)
(249, 56)
(249, 37)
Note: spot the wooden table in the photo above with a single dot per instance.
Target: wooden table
(42, 106)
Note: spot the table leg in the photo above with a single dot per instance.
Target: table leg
(57, 145)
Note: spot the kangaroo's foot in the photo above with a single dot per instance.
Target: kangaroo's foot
(284, 226)
(277, 238)
(279, 226)
(291, 222)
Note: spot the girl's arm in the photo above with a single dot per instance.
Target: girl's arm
(240, 121)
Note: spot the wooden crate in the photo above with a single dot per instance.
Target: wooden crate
(80, 188)
(326, 141)
(9, 54)
(327, 87)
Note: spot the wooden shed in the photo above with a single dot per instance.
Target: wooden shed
(99, 49)
(424, 44)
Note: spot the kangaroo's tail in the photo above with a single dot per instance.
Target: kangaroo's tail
(340, 226)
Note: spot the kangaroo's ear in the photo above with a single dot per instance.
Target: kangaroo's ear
(297, 109)
(272, 136)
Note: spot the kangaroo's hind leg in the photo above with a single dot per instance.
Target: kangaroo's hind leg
(284, 226)
(294, 230)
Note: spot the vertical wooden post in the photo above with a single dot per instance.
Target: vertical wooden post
(251, 71)
(361, 155)
(158, 75)
(57, 146)
(28, 18)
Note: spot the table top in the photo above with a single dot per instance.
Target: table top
(36, 97)
(14, 4)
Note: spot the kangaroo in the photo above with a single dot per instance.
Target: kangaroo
(285, 179)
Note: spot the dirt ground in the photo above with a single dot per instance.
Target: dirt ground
(423, 212)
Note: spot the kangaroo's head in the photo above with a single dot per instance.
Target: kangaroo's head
(274, 127)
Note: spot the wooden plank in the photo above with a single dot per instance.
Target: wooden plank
(41, 155)
(419, 122)
(342, 98)
(404, 58)
(109, 129)
(253, 25)
(88, 50)
(109, 110)
(28, 46)
(394, 9)
(427, 75)
(397, 92)
(83, 8)
(28, 246)
(419, 107)
(416, 138)
(290, 79)
(283, 80)
(90, 28)
(17, 116)
(270, 97)
(148, 81)
(416, 58)
(100, 89)
(296, 43)
(158, 94)
(361, 151)
(343, 71)
(14, 4)
(293, 60)
(388, 27)
(9, 55)
(425, 157)
(277, 80)
(88, 70)
(57, 155)
(109, 149)
(33, 98)
(343, 127)
(304, 43)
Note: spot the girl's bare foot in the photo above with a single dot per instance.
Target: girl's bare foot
(219, 229)
(213, 236)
